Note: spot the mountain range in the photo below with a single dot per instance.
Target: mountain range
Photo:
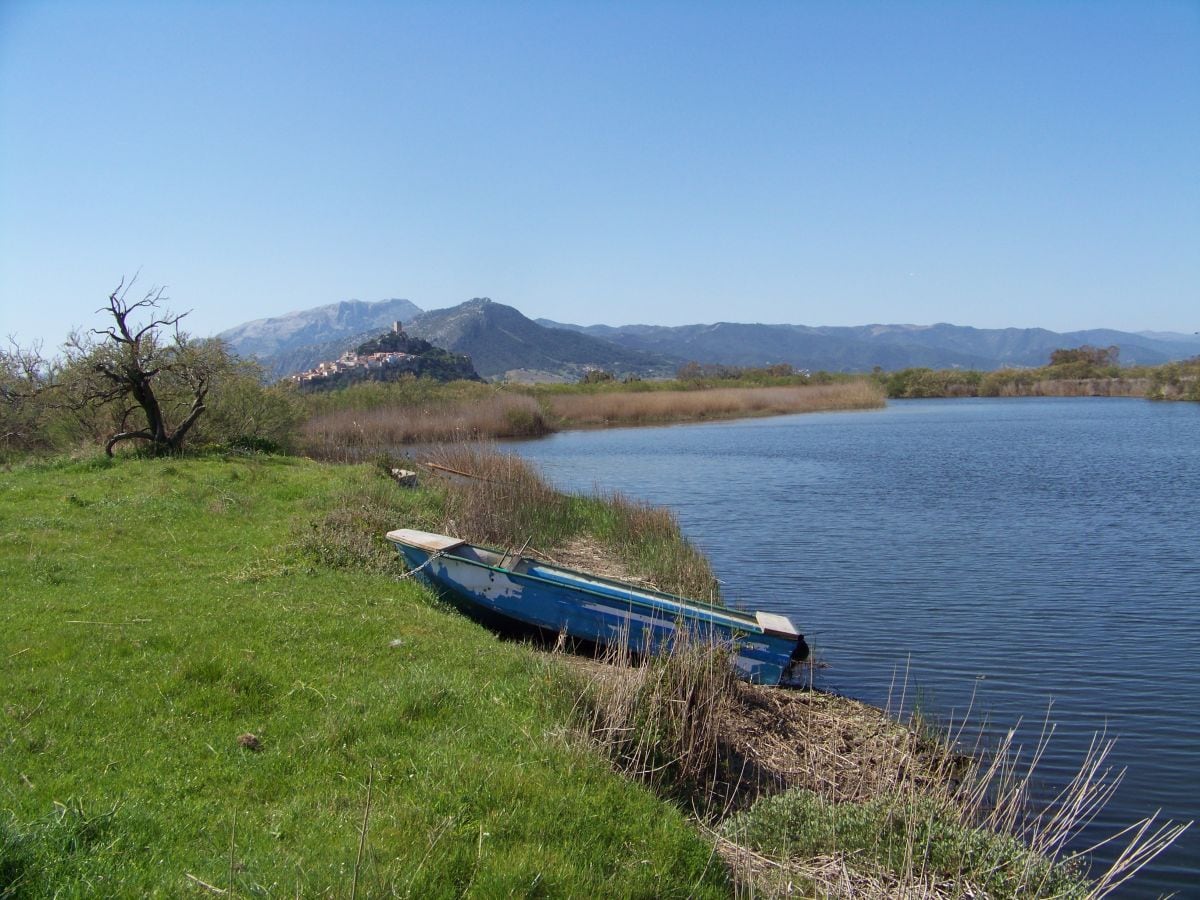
(505, 344)
(860, 348)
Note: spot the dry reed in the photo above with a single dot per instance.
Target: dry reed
(665, 722)
(634, 408)
(353, 435)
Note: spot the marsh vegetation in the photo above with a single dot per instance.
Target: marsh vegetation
(381, 418)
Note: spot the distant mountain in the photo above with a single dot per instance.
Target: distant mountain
(500, 340)
(860, 348)
(503, 342)
(736, 344)
(1171, 336)
(299, 340)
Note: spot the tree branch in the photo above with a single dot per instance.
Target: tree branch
(125, 436)
(186, 424)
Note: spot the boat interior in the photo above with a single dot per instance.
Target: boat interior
(514, 561)
(523, 565)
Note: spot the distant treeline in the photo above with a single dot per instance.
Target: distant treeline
(1077, 372)
(699, 376)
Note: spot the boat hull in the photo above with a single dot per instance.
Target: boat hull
(599, 610)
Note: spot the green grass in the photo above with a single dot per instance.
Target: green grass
(153, 611)
(892, 839)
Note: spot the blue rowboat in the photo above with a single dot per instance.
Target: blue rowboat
(764, 646)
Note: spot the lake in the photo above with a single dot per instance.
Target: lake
(1037, 555)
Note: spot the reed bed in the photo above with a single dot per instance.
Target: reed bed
(811, 794)
(351, 435)
(628, 408)
(370, 424)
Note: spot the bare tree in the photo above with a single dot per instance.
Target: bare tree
(23, 374)
(142, 373)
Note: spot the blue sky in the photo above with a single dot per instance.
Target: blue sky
(825, 163)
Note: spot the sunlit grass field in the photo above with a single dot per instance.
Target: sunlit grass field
(156, 613)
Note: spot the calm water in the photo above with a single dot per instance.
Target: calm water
(1041, 555)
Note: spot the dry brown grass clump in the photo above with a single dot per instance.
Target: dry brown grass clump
(663, 722)
(494, 498)
(686, 716)
(634, 408)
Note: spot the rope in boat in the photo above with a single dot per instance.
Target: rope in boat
(411, 572)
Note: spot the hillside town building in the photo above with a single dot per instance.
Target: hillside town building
(351, 361)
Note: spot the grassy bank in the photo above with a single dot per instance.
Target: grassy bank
(354, 424)
(157, 613)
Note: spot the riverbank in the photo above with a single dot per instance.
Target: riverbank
(1172, 381)
(236, 686)
(357, 423)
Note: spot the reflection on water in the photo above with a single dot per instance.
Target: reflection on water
(1035, 557)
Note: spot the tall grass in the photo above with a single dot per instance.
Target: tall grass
(351, 435)
(364, 422)
(507, 504)
(610, 408)
(926, 818)
(666, 722)
(1048, 381)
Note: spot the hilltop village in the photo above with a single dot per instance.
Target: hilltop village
(386, 358)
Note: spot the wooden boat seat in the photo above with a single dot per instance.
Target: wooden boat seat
(426, 540)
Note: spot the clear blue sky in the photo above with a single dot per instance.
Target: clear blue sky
(990, 164)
